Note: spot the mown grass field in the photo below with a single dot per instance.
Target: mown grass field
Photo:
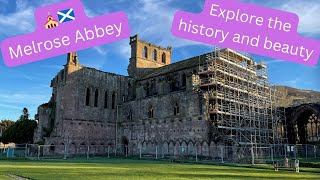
(140, 169)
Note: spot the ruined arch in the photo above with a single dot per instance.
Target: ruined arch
(171, 146)
(303, 124)
(205, 148)
(191, 147)
(165, 147)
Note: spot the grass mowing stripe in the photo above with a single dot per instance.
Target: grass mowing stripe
(141, 169)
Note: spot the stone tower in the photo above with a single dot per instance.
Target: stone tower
(146, 56)
(72, 63)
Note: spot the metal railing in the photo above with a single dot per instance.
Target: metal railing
(217, 153)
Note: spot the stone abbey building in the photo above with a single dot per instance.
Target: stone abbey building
(203, 101)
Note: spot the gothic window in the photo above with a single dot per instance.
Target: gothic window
(147, 88)
(184, 80)
(96, 97)
(106, 99)
(129, 117)
(154, 55)
(145, 52)
(113, 106)
(88, 94)
(313, 128)
(164, 59)
(176, 109)
(150, 112)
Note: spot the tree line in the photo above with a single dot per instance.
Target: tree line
(20, 131)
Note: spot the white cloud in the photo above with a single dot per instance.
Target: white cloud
(101, 50)
(32, 98)
(10, 106)
(12, 103)
(308, 12)
(274, 61)
(154, 20)
(19, 22)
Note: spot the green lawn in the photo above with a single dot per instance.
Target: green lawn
(140, 169)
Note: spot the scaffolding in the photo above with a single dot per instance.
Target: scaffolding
(242, 104)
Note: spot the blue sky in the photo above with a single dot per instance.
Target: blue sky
(29, 85)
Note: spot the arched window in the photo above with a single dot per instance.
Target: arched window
(184, 80)
(88, 94)
(106, 99)
(147, 89)
(154, 55)
(145, 52)
(176, 109)
(129, 90)
(129, 117)
(113, 105)
(164, 58)
(96, 97)
(150, 112)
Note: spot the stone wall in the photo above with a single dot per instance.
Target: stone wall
(178, 110)
(79, 122)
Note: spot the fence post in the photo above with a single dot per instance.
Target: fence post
(252, 156)
(156, 152)
(65, 152)
(126, 149)
(315, 151)
(306, 151)
(272, 155)
(38, 152)
(295, 151)
(88, 150)
(221, 148)
(108, 151)
(26, 151)
(162, 152)
(196, 154)
(140, 151)
(285, 150)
